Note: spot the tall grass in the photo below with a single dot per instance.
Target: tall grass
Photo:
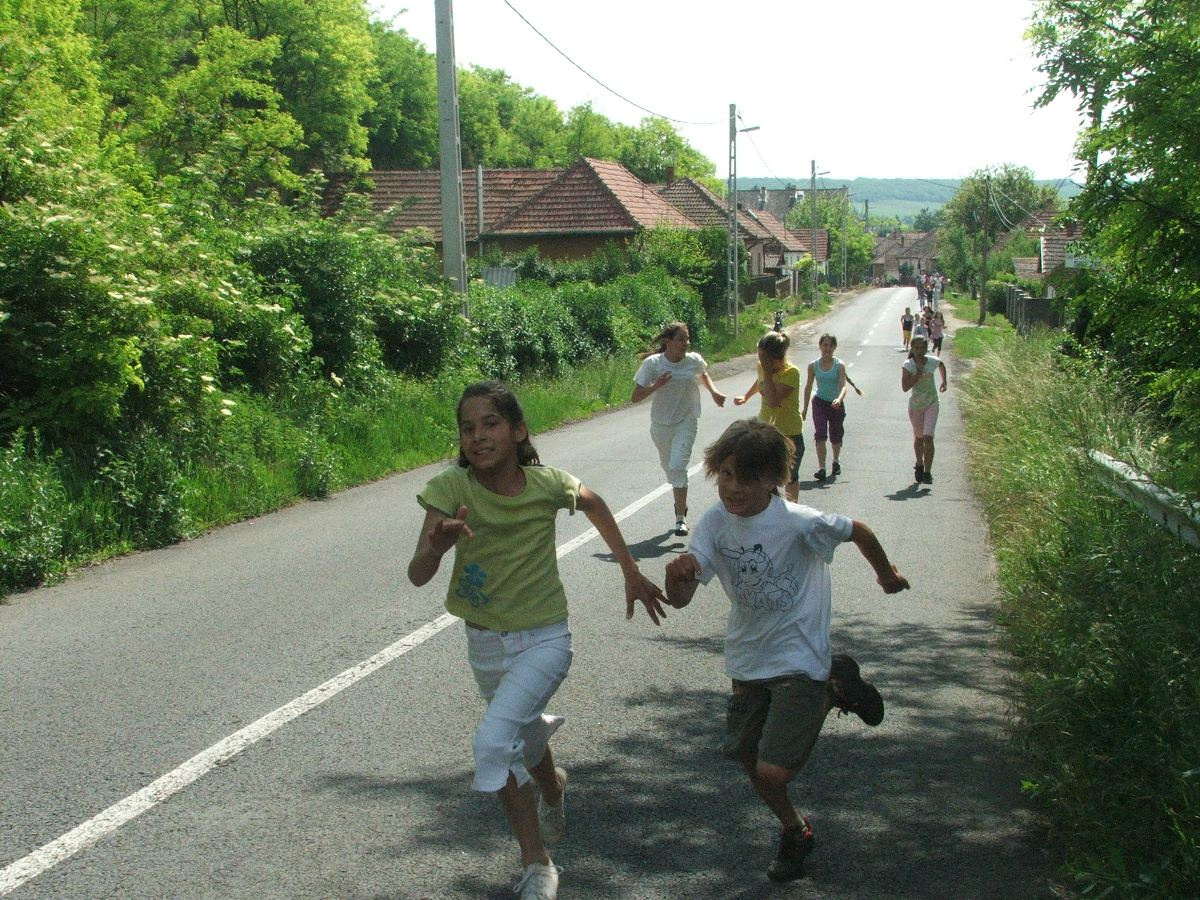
(1101, 608)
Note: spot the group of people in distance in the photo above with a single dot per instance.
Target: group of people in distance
(496, 509)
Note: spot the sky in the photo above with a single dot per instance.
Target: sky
(866, 88)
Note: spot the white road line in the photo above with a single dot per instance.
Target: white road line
(105, 823)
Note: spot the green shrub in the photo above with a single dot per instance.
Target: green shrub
(421, 333)
(652, 299)
(75, 316)
(33, 509)
(1099, 605)
(146, 484)
(316, 468)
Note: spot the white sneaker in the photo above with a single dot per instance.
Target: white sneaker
(681, 528)
(539, 882)
(552, 820)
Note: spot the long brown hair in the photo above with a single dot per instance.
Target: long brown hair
(670, 330)
(508, 406)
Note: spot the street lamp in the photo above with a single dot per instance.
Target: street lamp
(731, 255)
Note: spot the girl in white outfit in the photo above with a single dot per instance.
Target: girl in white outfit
(670, 375)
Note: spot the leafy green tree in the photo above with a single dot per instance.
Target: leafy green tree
(926, 220)
(989, 203)
(50, 95)
(654, 146)
(219, 127)
(319, 69)
(845, 229)
(590, 134)
(1134, 71)
(402, 124)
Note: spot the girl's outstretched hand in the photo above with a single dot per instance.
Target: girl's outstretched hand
(446, 532)
(639, 587)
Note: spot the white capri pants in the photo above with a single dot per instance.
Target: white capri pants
(517, 673)
(674, 443)
(924, 421)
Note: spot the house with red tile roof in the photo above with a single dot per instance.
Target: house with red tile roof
(588, 205)
(708, 210)
(410, 199)
(566, 213)
(916, 248)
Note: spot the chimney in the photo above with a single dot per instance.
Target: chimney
(670, 174)
(762, 198)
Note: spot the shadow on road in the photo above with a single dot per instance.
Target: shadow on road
(912, 492)
(925, 806)
(651, 548)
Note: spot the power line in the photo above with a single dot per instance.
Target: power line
(1014, 203)
(594, 78)
(764, 162)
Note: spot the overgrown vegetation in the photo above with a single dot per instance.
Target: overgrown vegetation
(1134, 72)
(1100, 609)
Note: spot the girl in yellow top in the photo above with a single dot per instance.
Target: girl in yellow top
(779, 383)
(496, 509)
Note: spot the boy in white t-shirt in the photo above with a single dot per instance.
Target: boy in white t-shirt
(772, 558)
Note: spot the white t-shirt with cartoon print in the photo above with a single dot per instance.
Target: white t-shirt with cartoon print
(775, 570)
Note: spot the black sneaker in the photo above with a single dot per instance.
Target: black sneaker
(836, 470)
(794, 846)
(819, 474)
(926, 478)
(919, 473)
(853, 695)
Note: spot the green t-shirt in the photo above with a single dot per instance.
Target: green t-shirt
(786, 416)
(506, 577)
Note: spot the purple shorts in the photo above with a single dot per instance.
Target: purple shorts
(829, 422)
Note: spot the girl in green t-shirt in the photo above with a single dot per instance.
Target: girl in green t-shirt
(496, 509)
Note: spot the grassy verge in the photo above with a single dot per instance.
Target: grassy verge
(1099, 606)
(973, 341)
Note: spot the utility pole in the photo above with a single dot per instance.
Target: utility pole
(731, 255)
(479, 208)
(731, 251)
(867, 212)
(987, 180)
(454, 256)
(845, 204)
(812, 239)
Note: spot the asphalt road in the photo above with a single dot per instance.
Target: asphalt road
(115, 684)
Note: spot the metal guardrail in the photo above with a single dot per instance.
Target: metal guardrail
(1172, 511)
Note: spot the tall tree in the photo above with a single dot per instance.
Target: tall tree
(402, 125)
(1134, 70)
(989, 203)
(655, 146)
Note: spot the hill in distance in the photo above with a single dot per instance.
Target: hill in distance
(899, 197)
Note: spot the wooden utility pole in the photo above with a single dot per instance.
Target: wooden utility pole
(812, 272)
(454, 249)
(983, 275)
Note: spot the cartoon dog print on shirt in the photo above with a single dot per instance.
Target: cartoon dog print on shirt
(755, 584)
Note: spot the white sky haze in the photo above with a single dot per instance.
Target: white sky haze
(867, 88)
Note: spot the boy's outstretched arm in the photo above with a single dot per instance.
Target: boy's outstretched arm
(637, 585)
(683, 575)
(868, 545)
